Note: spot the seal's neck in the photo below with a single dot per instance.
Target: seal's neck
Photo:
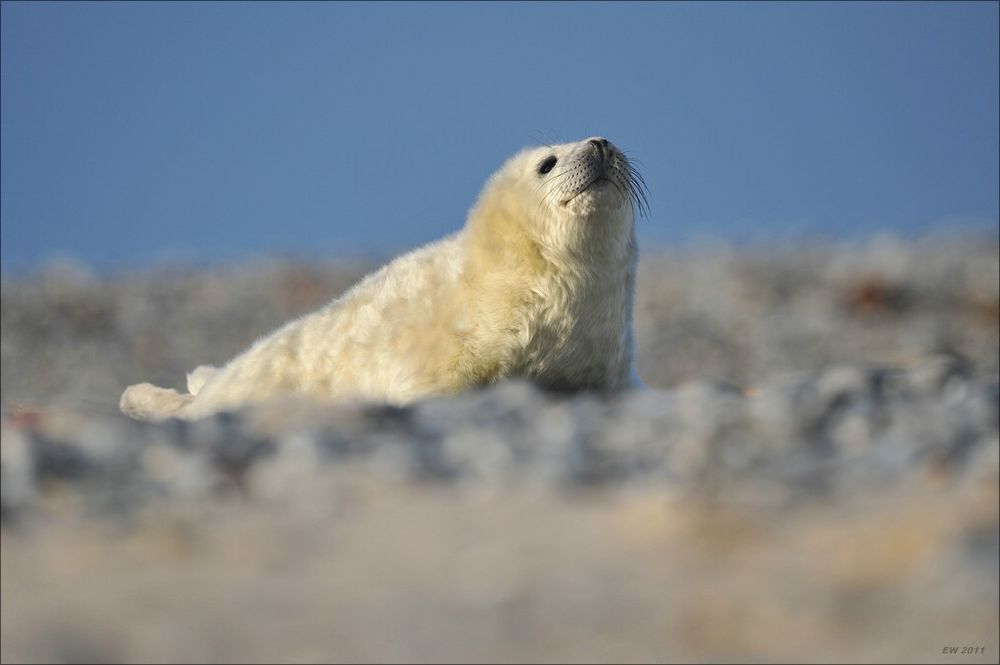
(502, 237)
(566, 306)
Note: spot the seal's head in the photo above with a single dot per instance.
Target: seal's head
(586, 178)
(563, 198)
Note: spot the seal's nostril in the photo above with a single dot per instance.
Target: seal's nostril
(601, 146)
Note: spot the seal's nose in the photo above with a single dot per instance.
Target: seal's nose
(601, 148)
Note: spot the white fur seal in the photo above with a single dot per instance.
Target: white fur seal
(538, 284)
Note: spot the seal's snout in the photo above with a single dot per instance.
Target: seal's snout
(601, 147)
(594, 165)
(600, 143)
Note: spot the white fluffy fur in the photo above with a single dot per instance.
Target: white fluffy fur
(537, 284)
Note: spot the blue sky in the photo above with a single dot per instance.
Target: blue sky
(217, 131)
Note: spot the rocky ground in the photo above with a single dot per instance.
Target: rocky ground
(814, 476)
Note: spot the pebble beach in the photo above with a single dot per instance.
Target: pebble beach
(812, 475)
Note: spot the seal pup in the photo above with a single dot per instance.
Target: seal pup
(537, 284)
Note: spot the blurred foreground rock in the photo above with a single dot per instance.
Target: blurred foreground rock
(848, 517)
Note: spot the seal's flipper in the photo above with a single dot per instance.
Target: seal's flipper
(148, 402)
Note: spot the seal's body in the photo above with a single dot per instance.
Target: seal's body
(538, 284)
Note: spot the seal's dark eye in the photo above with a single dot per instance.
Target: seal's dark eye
(547, 165)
